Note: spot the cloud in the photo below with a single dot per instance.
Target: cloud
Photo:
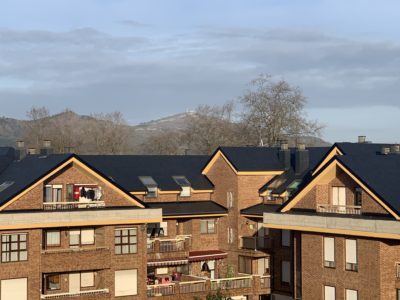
(133, 23)
(151, 76)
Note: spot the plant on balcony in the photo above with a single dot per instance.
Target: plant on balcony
(217, 295)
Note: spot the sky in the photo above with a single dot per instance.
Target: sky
(150, 59)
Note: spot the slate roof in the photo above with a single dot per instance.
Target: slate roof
(182, 208)
(6, 157)
(259, 209)
(125, 169)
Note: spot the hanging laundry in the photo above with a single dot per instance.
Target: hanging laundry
(90, 194)
(77, 192)
(98, 193)
(83, 192)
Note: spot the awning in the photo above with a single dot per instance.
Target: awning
(171, 262)
(206, 255)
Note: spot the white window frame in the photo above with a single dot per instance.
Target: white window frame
(329, 252)
(351, 255)
(329, 292)
(351, 294)
(53, 231)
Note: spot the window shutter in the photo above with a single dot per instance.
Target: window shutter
(87, 236)
(87, 279)
(16, 289)
(203, 226)
(351, 251)
(330, 293)
(126, 282)
(164, 226)
(351, 294)
(329, 249)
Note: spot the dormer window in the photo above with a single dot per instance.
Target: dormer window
(184, 184)
(150, 185)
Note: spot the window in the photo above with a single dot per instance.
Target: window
(53, 282)
(398, 270)
(53, 193)
(82, 236)
(5, 185)
(263, 266)
(229, 199)
(329, 292)
(293, 186)
(53, 238)
(70, 193)
(339, 198)
(351, 294)
(285, 275)
(14, 289)
(207, 226)
(351, 255)
(245, 265)
(398, 294)
(329, 252)
(285, 238)
(87, 279)
(14, 247)
(150, 185)
(358, 197)
(184, 184)
(126, 282)
(125, 240)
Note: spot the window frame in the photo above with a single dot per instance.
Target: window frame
(289, 238)
(128, 244)
(80, 244)
(246, 262)
(9, 251)
(47, 282)
(283, 282)
(328, 263)
(349, 266)
(345, 293)
(208, 222)
(46, 237)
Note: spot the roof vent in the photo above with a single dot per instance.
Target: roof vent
(32, 151)
(20, 144)
(301, 146)
(362, 139)
(20, 152)
(385, 150)
(284, 145)
(69, 150)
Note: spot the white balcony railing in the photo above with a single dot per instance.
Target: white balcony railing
(160, 290)
(231, 283)
(192, 286)
(72, 205)
(339, 209)
(69, 295)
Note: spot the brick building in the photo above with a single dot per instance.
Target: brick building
(255, 222)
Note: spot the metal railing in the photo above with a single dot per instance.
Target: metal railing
(69, 295)
(339, 209)
(72, 205)
(255, 242)
(172, 245)
(231, 283)
(192, 286)
(168, 245)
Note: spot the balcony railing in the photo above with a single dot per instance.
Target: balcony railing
(255, 242)
(72, 205)
(192, 286)
(168, 245)
(339, 209)
(231, 283)
(160, 290)
(265, 282)
(70, 295)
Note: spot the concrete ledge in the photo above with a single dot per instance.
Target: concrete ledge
(330, 224)
(79, 217)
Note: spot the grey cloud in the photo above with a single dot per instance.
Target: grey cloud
(88, 69)
(133, 23)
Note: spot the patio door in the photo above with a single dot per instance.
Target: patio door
(74, 282)
(339, 198)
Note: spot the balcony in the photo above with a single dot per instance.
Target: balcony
(253, 284)
(255, 243)
(95, 293)
(339, 209)
(72, 205)
(161, 248)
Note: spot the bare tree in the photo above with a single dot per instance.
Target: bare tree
(212, 126)
(168, 142)
(37, 129)
(274, 110)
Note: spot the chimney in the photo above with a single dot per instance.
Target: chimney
(395, 149)
(69, 150)
(20, 152)
(284, 155)
(301, 158)
(46, 148)
(385, 150)
(362, 139)
(31, 151)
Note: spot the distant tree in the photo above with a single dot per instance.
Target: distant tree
(274, 110)
(212, 126)
(38, 127)
(167, 142)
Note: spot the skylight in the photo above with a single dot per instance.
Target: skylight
(181, 180)
(5, 185)
(148, 181)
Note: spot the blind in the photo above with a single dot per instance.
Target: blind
(87, 279)
(329, 249)
(330, 293)
(126, 282)
(351, 295)
(87, 236)
(53, 237)
(16, 289)
(164, 226)
(286, 271)
(351, 251)
(338, 195)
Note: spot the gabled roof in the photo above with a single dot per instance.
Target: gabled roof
(189, 208)
(34, 168)
(259, 209)
(126, 169)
